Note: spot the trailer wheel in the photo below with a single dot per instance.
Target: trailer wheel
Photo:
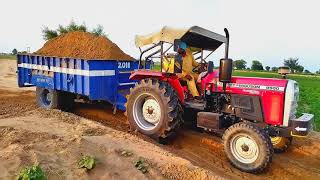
(47, 98)
(154, 109)
(248, 147)
(66, 100)
(281, 144)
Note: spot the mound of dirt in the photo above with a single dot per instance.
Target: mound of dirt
(83, 45)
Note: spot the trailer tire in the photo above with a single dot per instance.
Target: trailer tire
(248, 147)
(281, 144)
(163, 115)
(66, 100)
(47, 98)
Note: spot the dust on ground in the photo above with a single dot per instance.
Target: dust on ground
(83, 45)
(57, 139)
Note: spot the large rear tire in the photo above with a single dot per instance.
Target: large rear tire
(154, 109)
(248, 147)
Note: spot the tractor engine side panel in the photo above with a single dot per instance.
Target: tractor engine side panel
(247, 107)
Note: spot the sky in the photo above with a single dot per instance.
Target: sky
(268, 31)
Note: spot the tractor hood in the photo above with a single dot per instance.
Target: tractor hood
(247, 85)
(276, 95)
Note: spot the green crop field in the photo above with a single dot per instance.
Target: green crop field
(309, 98)
(8, 56)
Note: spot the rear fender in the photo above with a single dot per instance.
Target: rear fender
(143, 74)
(172, 80)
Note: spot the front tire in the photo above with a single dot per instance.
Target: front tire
(154, 109)
(281, 144)
(248, 147)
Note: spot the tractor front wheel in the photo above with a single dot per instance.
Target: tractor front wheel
(248, 147)
(154, 109)
(281, 144)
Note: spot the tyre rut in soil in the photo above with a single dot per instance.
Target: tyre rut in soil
(261, 140)
(170, 108)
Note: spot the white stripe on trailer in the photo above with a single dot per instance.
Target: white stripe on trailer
(80, 72)
(129, 83)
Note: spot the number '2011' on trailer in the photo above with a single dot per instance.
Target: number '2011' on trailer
(105, 80)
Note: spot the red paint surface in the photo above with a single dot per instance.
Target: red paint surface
(172, 80)
(272, 101)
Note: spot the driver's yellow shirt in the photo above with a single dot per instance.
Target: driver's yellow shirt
(188, 63)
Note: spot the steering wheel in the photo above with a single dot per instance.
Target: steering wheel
(202, 67)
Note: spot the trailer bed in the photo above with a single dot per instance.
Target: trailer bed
(106, 80)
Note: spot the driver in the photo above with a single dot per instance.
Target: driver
(188, 64)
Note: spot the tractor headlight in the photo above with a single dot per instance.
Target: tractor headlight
(291, 101)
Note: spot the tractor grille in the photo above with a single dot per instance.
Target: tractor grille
(294, 103)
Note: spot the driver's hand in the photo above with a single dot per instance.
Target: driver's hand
(189, 77)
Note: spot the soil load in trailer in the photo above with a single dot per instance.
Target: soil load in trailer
(83, 45)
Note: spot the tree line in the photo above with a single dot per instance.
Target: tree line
(291, 63)
(72, 26)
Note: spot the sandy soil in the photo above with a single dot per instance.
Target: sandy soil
(56, 140)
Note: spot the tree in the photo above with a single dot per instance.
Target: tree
(98, 31)
(274, 69)
(268, 68)
(256, 65)
(299, 69)
(14, 51)
(50, 34)
(240, 64)
(307, 71)
(292, 63)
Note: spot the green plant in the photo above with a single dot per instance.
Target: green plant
(141, 165)
(87, 162)
(72, 26)
(98, 31)
(49, 34)
(32, 173)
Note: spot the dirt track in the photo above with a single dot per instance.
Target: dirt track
(68, 135)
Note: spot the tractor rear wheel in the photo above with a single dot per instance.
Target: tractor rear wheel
(248, 147)
(154, 109)
(281, 144)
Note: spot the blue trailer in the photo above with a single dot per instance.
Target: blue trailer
(60, 79)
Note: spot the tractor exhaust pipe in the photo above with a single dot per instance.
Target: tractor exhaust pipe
(225, 69)
(227, 44)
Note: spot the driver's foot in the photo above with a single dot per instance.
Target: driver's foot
(198, 99)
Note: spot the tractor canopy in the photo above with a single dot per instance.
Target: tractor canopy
(194, 37)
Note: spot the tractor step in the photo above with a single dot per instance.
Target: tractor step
(209, 121)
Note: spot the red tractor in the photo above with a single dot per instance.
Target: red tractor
(255, 115)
